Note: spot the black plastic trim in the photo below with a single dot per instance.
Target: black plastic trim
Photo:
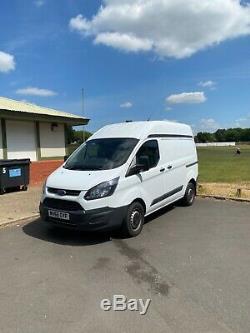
(192, 164)
(166, 195)
(63, 192)
(63, 205)
(105, 218)
(170, 136)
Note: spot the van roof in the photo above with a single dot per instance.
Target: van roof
(143, 129)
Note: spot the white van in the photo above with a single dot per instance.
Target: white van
(123, 173)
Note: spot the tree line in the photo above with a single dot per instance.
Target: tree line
(224, 135)
(77, 137)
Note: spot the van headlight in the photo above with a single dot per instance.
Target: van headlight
(102, 190)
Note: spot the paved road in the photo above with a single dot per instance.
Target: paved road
(192, 262)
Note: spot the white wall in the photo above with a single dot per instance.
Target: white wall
(21, 139)
(1, 141)
(52, 142)
(216, 144)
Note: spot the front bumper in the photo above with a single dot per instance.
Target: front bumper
(92, 220)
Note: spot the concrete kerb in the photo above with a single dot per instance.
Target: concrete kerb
(218, 197)
(18, 221)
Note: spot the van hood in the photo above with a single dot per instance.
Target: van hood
(80, 180)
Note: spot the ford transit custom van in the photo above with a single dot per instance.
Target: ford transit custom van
(121, 174)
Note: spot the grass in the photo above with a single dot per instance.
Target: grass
(222, 165)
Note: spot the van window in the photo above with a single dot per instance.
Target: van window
(150, 149)
(102, 154)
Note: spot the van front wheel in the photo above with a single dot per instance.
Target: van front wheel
(189, 196)
(134, 220)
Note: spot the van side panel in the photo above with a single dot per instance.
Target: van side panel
(181, 150)
(177, 155)
(129, 189)
(192, 166)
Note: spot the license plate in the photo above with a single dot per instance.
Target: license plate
(58, 215)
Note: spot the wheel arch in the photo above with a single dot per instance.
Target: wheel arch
(141, 201)
(194, 182)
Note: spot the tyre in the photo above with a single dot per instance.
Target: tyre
(189, 196)
(134, 220)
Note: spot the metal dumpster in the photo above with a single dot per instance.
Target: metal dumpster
(14, 174)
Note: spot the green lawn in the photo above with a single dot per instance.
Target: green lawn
(221, 164)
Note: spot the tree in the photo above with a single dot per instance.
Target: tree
(76, 136)
(204, 137)
(245, 135)
(225, 135)
(220, 135)
(79, 135)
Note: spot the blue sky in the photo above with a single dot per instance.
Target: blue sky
(158, 61)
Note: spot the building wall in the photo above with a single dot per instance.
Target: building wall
(52, 142)
(21, 139)
(216, 144)
(39, 171)
(1, 141)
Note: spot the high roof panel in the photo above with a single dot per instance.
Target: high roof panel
(142, 129)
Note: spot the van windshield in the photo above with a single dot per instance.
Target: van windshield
(102, 154)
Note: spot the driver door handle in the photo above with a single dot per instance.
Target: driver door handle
(162, 170)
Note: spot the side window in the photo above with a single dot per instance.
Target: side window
(150, 149)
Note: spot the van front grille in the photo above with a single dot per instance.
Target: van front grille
(63, 192)
(62, 204)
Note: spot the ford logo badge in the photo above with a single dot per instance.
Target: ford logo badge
(61, 192)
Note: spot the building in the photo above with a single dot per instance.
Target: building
(31, 131)
(34, 132)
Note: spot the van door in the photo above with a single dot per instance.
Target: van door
(151, 181)
(174, 160)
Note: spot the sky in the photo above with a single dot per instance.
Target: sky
(179, 60)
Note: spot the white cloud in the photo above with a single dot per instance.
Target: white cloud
(208, 125)
(124, 42)
(207, 84)
(7, 62)
(33, 91)
(187, 98)
(126, 105)
(168, 108)
(39, 3)
(172, 120)
(170, 28)
(79, 23)
(243, 122)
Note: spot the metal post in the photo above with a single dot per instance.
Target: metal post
(83, 131)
